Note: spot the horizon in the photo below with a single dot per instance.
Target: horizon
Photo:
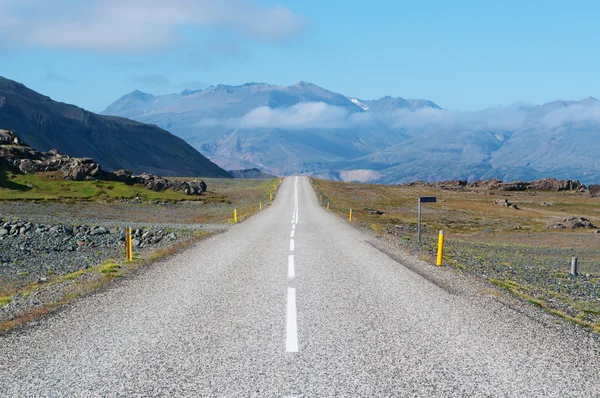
(462, 56)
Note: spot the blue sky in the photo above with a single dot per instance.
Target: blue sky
(463, 55)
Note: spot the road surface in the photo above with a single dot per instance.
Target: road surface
(294, 302)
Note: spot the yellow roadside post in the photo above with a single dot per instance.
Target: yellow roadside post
(440, 248)
(260, 206)
(320, 198)
(234, 215)
(271, 196)
(350, 217)
(327, 206)
(128, 245)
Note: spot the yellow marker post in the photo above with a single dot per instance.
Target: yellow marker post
(327, 206)
(260, 206)
(320, 198)
(271, 196)
(234, 215)
(128, 245)
(350, 217)
(440, 248)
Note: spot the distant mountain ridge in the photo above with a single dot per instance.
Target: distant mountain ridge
(304, 128)
(115, 142)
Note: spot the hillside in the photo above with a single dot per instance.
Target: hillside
(115, 142)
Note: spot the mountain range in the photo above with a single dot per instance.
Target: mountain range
(304, 128)
(114, 142)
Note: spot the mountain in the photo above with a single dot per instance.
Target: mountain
(223, 101)
(307, 129)
(252, 125)
(114, 142)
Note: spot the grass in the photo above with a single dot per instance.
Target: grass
(51, 186)
(5, 300)
(109, 267)
(87, 199)
(512, 249)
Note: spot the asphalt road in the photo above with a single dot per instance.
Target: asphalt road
(295, 302)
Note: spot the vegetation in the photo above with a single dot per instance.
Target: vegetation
(512, 249)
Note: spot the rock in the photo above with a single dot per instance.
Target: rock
(99, 231)
(552, 184)
(125, 176)
(505, 203)
(29, 161)
(9, 138)
(56, 229)
(172, 236)
(80, 243)
(135, 242)
(594, 190)
(572, 223)
(495, 184)
(3, 232)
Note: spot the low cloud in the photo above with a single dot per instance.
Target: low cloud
(304, 115)
(138, 25)
(318, 115)
(573, 114)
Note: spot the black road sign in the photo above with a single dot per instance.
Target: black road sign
(427, 199)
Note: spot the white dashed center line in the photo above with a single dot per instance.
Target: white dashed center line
(291, 245)
(291, 325)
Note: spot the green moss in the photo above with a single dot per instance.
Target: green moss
(109, 268)
(4, 300)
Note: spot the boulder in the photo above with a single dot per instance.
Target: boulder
(9, 138)
(505, 203)
(594, 190)
(572, 223)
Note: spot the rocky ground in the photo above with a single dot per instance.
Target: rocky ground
(40, 240)
(32, 251)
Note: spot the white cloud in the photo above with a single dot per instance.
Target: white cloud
(137, 25)
(318, 115)
(573, 114)
(304, 115)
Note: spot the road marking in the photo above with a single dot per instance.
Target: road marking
(291, 271)
(291, 344)
(294, 226)
(292, 245)
(292, 234)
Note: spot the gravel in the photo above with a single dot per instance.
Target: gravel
(30, 251)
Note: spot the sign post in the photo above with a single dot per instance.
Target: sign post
(423, 199)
